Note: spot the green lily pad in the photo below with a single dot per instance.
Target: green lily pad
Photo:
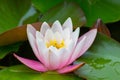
(102, 60)
(45, 5)
(11, 12)
(22, 72)
(107, 10)
(64, 10)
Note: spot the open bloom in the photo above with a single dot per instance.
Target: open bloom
(57, 47)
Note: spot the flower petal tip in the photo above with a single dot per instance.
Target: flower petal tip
(69, 69)
(69, 18)
(30, 27)
(94, 30)
(35, 65)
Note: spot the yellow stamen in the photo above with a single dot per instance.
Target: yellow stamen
(55, 44)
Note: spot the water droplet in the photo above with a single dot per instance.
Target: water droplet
(116, 66)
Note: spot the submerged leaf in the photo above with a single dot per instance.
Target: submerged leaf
(4, 50)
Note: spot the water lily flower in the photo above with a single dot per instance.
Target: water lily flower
(57, 47)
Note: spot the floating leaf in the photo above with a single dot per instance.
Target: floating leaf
(17, 34)
(102, 60)
(22, 72)
(107, 10)
(64, 10)
(11, 11)
(43, 5)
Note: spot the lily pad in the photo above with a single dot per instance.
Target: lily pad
(11, 12)
(107, 10)
(15, 35)
(45, 5)
(102, 60)
(64, 10)
(22, 72)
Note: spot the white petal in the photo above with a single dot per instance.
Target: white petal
(49, 35)
(68, 43)
(44, 27)
(77, 50)
(58, 37)
(67, 55)
(33, 45)
(68, 24)
(31, 29)
(66, 33)
(55, 57)
(75, 35)
(56, 27)
(43, 52)
(38, 34)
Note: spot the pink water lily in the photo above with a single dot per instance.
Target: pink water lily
(57, 47)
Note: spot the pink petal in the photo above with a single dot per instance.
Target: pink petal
(90, 36)
(35, 65)
(77, 50)
(71, 68)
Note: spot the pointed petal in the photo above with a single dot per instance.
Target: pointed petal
(58, 37)
(68, 24)
(49, 35)
(31, 29)
(75, 35)
(70, 68)
(32, 42)
(43, 52)
(56, 27)
(90, 36)
(55, 57)
(35, 65)
(44, 27)
(66, 34)
(67, 55)
(77, 50)
(38, 34)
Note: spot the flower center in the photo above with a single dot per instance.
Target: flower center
(54, 43)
